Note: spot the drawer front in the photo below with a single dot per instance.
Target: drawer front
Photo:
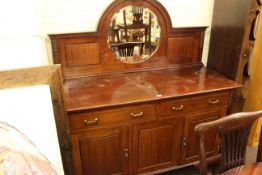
(210, 101)
(177, 106)
(192, 104)
(123, 115)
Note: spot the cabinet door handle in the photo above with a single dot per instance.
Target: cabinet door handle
(181, 107)
(126, 154)
(140, 114)
(184, 142)
(219, 147)
(212, 102)
(91, 122)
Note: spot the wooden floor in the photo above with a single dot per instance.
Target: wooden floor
(250, 158)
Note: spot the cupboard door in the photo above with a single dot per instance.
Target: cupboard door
(156, 144)
(101, 152)
(190, 144)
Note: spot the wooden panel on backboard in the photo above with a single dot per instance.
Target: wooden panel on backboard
(181, 47)
(82, 54)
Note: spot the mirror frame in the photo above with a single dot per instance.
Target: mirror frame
(156, 7)
(51, 76)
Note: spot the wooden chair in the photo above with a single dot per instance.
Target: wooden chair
(127, 49)
(138, 14)
(233, 131)
(137, 25)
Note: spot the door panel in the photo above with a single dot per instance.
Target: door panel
(156, 145)
(190, 145)
(100, 152)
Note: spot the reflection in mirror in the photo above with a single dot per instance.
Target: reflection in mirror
(133, 34)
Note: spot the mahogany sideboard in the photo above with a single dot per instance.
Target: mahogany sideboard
(138, 118)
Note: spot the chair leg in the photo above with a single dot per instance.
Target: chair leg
(215, 169)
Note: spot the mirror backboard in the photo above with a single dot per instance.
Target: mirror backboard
(155, 44)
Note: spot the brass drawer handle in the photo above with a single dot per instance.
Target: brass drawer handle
(140, 114)
(181, 107)
(91, 122)
(212, 102)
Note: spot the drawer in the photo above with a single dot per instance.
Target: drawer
(192, 104)
(176, 106)
(121, 115)
(210, 101)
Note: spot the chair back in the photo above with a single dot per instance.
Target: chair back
(138, 14)
(126, 49)
(233, 131)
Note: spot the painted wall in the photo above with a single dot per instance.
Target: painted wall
(20, 37)
(25, 25)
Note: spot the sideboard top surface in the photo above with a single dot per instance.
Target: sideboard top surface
(127, 88)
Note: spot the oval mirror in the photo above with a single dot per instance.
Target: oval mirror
(133, 34)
